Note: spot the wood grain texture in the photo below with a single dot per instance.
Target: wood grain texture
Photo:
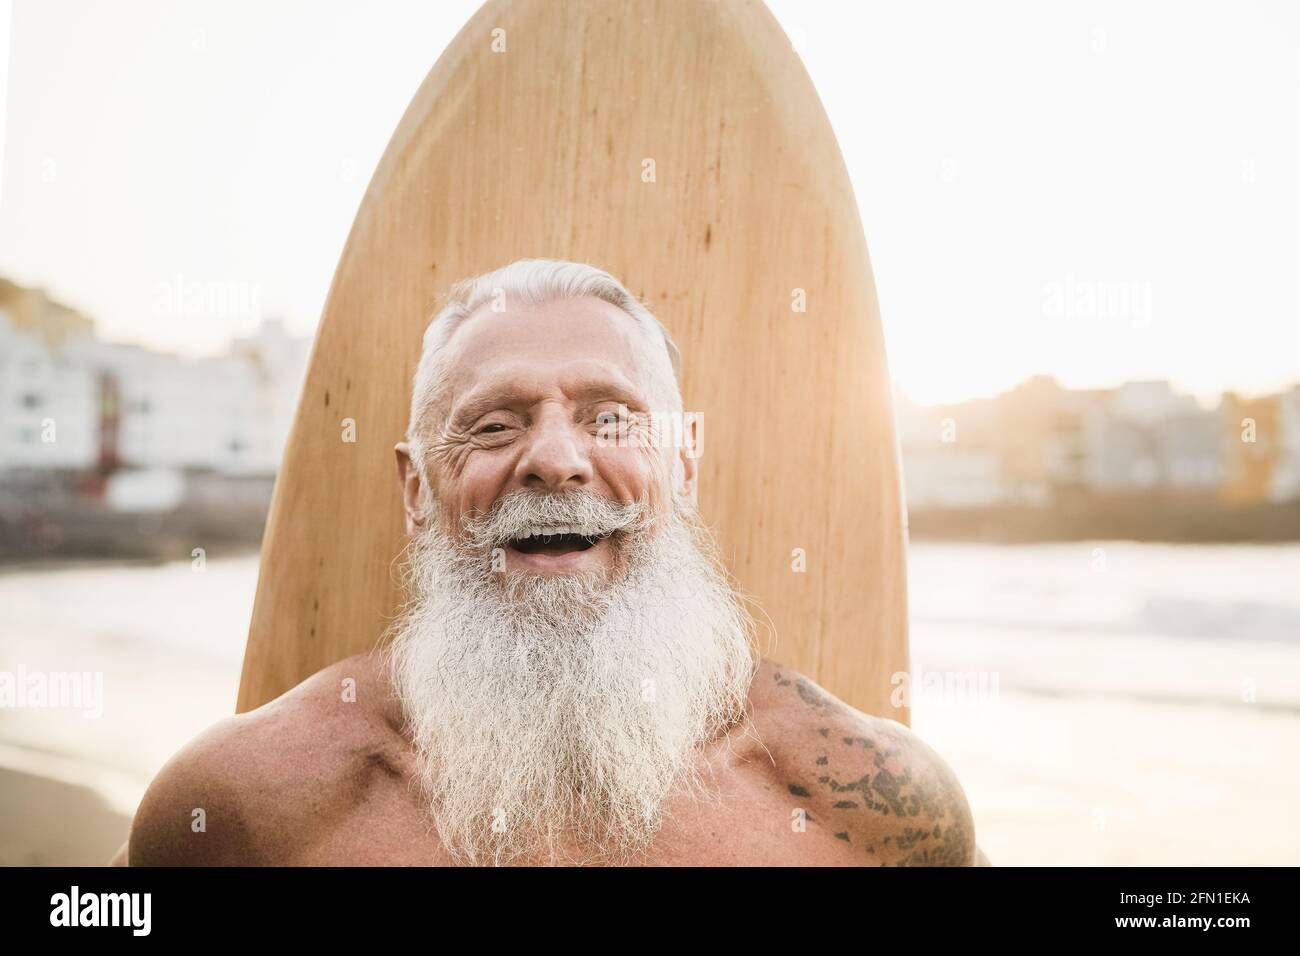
(538, 151)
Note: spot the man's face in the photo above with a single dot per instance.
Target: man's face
(526, 692)
(530, 393)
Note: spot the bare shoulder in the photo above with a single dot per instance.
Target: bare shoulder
(252, 786)
(869, 782)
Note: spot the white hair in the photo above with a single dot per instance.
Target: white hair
(545, 709)
(534, 282)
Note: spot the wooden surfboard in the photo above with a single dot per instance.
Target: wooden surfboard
(680, 146)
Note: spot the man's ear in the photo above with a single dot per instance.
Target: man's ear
(413, 492)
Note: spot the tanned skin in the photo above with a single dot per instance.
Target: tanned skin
(326, 773)
(317, 778)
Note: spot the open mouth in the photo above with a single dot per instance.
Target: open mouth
(560, 542)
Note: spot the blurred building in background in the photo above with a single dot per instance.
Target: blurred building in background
(1285, 484)
(1262, 440)
(1139, 460)
(69, 400)
(90, 429)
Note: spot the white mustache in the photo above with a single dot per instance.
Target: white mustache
(528, 707)
(524, 513)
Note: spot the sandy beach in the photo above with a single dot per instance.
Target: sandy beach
(47, 819)
(1145, 730)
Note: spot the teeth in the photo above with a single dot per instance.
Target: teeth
(550, 530)
(587, 531)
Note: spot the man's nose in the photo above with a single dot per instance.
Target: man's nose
(556, 456)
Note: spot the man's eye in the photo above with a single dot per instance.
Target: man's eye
(491, 428)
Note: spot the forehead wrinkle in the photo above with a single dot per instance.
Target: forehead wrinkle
(484, 335)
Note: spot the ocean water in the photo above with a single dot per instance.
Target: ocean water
(1145, 622)
(1146, 709)
(1131, 701)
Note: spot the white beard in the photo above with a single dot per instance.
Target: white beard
(566, 706)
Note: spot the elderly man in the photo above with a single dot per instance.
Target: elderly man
(573, 679)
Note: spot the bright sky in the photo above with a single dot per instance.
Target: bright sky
(1095, 190)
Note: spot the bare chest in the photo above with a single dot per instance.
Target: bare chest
(748, 821)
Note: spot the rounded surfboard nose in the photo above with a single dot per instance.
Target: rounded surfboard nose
(681, 147)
